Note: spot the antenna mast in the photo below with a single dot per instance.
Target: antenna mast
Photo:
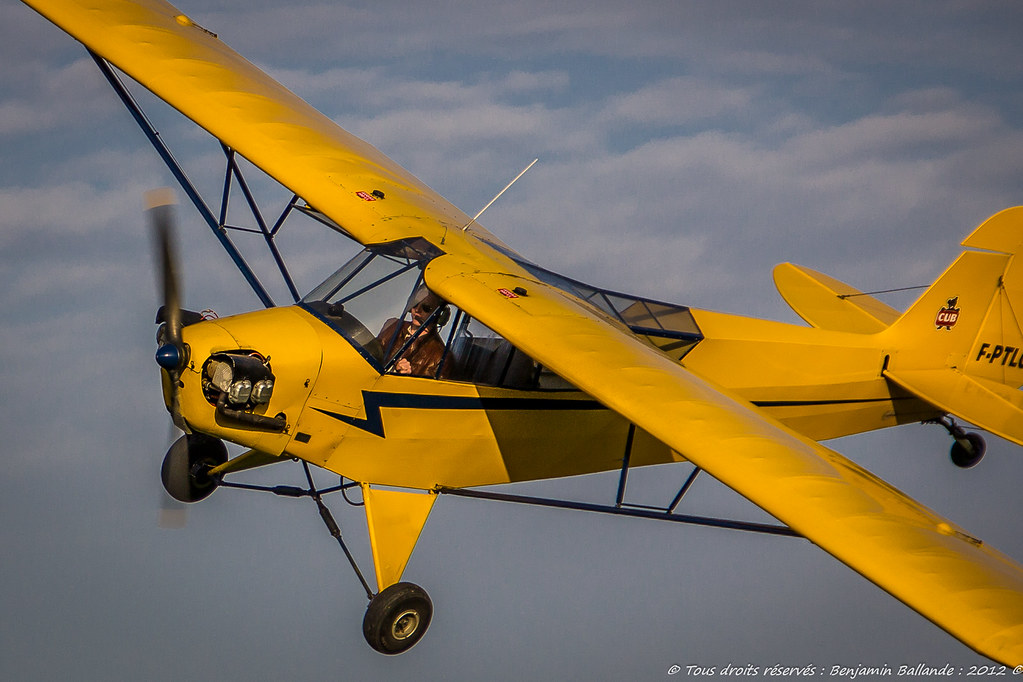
(498, 195)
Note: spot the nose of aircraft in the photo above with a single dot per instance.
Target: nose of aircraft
(243, 378)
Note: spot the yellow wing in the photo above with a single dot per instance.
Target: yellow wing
(192, 70)
(951, 578)
(827, 303)
(970, 590)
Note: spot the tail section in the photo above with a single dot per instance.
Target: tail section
(960, 346)
(826, 303)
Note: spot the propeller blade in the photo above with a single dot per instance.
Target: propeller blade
(171, 355)
(160, 207)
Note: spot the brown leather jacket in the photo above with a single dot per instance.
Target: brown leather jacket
(425, 353)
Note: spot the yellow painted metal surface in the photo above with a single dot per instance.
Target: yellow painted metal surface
(822, 384)
(960, 346)
(988, 404)
(827, 303)
(939, 570)
(415, 447)
(916, 341)
(281, 335)
(404, 431)
(997, 352)
(1001, 232)
(250, 459)
(395, 519)
(442, 433)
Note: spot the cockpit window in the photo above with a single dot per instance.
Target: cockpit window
(380, 304)
(482, 356)
(670, 327)
(370, 289)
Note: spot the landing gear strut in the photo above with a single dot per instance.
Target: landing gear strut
(968, 448)
(398, 616)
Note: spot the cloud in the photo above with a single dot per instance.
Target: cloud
(876, 197)
(47, 99)
(679, 101)
(78, 208)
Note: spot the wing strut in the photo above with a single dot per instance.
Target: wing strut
(179, 175)
(636, 511)
(233, 170)
(623, 478)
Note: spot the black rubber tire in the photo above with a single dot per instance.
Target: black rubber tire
(397, 618)
(964, 457)
(184, 466)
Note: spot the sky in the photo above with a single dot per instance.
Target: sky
(685, 148)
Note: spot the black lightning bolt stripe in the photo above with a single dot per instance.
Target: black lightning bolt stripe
(375, 401)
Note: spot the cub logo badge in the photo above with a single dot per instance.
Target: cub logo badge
(948, 315)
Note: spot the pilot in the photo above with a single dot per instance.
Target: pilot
(424, 356)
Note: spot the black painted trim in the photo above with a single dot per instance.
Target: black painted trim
(374, 401)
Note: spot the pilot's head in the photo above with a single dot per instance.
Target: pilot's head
(424, 302)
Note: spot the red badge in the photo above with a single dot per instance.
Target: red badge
(507, 293)
(947, 316)
(365, 196)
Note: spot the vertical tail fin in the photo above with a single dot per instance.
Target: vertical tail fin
(969, 319)
(960, 346)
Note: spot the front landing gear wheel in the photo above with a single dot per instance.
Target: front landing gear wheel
(968, 450)
(397, 618)
(185, 470)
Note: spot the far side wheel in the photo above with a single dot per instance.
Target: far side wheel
(966, 455)
(397, 618)
(185, 465)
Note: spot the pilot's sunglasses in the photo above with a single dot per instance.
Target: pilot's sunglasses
(425, 307)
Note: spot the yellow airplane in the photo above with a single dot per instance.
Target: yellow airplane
(439, 361)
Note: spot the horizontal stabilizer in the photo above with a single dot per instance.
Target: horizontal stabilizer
(987, 404)
(827, 303)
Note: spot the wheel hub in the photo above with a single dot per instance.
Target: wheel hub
(405, 625)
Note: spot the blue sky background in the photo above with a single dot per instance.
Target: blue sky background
(686, 148)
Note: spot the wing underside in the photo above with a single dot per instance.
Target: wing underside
(953, 579)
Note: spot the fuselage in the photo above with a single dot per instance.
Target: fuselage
(342, 411)
(821, 383)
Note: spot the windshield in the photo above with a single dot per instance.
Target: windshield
(370, 290)
(380, 304)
